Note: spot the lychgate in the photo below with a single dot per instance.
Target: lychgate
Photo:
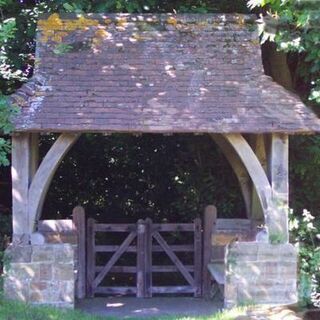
(156, 73)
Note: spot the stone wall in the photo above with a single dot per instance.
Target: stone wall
(41, 274)
(260, 273)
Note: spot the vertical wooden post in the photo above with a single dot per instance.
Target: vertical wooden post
(79, 221)
(210, 217)
(278, 162)
(91, 257)
(34, 156)
(20, 171)
(148, 261)
(141, 257)
(197, 257)
(258, 146)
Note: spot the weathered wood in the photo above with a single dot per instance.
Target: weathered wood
(255, 171)
(233, 225)
(257, 143)
(113, 248)
(197, 258)
(217, 271)
(116, 290)
(34, 156)
(238, 168)
(174, 258)
(79, 221)
(141, 257)
(279, 176)
(41, 181)
(119, 269)
(174, 268)
(20, 171)
(148, 259)
(172, 227)
(133, 269)
(145, 232)
(114, 227)
(173, 289)
(62, 225)
(155, 248)
(114, 259)
(91, 257)
(210, 217)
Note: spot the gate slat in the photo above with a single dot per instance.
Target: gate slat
(173, 257)
(173, 289)
(114, 227)
(197, 257)
(91, 257)
(172, 227)
(155, 248)
(114, 259)
(119, 269)
(116, 290)
(133, 269)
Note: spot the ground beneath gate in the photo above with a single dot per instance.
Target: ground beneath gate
(125, 307)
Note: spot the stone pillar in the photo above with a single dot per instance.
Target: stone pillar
(41, 274)
(260, 273)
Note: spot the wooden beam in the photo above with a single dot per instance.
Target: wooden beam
(34, 157)
(20, 171)
(209, 227)
(278, 162)
(79, 220)
(257, 143)
(261, 183)
(238, 168)
(44, 175)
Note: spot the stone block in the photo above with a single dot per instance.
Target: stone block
(23, 271)
(46, 271)
(45, 280)
(15, 289)
(63, 271)
(16, 253)
(67, 293)
(43, 253)
(269, 280)
(39, 285)
(64, 253)
(244, 248)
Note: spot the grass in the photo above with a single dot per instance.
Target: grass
(10, 310)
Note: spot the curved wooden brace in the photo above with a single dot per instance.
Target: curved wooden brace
(238, 168)
(255, 170)
(42, 179)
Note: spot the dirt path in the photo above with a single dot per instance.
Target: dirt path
(124, 308)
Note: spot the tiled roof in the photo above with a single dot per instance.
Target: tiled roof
(155, 73)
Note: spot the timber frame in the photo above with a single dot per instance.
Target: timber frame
(260, 163)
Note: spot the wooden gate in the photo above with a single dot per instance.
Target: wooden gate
(143, 239)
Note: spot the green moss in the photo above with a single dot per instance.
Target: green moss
(277, 238)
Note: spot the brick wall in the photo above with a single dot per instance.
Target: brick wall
(41, 274)
(260, 273)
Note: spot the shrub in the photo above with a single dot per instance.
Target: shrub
(305, 232)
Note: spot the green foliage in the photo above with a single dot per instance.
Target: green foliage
(294, 26)
(6, 112)
(5, 231)
(276, 238)
(305, 232)
(10, 310)
(155, 176)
